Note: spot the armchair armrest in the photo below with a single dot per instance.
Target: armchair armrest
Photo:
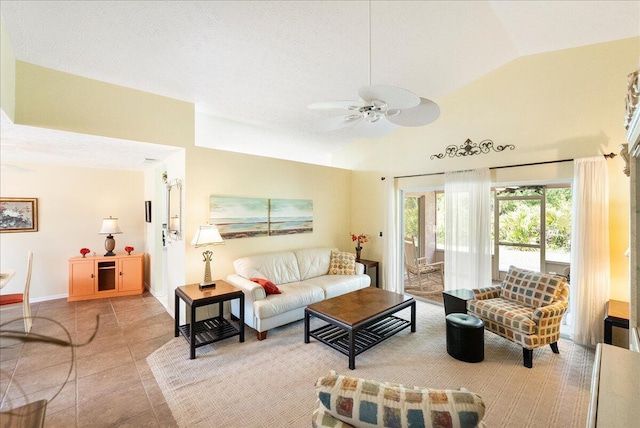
(252, 291)
(487, 292)
(549, 312)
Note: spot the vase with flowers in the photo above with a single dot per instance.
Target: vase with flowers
(84, 251)
(362, 238)
(128, 249)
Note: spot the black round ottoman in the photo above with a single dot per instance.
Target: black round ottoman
(465, 337)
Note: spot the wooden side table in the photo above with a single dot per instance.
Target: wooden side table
(371, 264)
(200, 333)
(455, 301)
(616, 314)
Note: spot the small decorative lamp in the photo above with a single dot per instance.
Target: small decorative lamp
(207, 235)
(109, 228)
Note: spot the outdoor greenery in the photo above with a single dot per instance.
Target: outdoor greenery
(411, 216)
(519, 219)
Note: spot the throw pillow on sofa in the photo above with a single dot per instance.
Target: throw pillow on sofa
(269, 287)
(368, 403)
(534, 289)
(342, 263)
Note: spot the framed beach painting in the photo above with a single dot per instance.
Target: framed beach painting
(239, 217)
(18, 215)
(290, 216)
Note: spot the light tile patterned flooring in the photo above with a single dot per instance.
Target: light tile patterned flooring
(111, 384)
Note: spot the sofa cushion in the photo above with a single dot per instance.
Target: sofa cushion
(313, 262)
(367, 403)
(279, 268)
(269, 287)
(531, 288)
(336, 285)
(504, 312)
(342, 263)
(293, 295)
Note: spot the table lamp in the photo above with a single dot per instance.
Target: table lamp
(109, 228)
(207, 235)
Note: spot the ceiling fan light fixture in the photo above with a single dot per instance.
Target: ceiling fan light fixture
(379, 105)
(392, 112)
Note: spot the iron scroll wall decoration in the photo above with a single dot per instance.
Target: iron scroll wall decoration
(469, 148)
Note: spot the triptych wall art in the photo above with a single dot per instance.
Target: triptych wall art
(250, 217)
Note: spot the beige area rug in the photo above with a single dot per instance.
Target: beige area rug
(271, 383)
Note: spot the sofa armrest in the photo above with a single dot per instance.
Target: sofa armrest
(487, 292)
(359, 268)
(549, 312)
(252, 291)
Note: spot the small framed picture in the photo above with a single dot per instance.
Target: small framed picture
(18, 215)
(147, 211)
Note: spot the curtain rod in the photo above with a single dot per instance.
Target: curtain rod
(607, 156)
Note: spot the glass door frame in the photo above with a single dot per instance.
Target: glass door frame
(496, 273)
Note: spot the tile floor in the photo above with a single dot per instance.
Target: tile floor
(110, 384)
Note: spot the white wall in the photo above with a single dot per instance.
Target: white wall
(71, 204)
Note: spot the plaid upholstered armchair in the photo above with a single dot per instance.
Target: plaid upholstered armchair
(527, 308)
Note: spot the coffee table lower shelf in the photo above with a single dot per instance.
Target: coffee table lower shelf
(209, 331)
(365, 338)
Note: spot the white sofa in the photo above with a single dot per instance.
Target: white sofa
(302, 278)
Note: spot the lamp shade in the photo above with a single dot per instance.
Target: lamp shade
(207, 234)
(109, 226)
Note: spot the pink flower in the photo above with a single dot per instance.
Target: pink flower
(362, 238)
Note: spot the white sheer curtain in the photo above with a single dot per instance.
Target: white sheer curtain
(589, 249)
(467, 254)
(392, 278)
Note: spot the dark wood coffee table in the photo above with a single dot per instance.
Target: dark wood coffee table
(359, 320)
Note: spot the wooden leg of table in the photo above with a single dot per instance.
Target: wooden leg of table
(192, 334)
(176, 309)
(413, 317)
(608, 331)
(242, 318)
(306, 326)
(527, 355)
(352, 350)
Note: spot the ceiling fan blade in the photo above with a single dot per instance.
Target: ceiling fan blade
(423, 114)
(379, 128)
(337, 122)
(396, 98)
(337, 105)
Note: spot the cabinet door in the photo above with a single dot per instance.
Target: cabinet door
(82, 278)
(131, 274)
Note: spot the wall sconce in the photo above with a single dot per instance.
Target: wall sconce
(207, 235)
(174, 224)
(109, 228)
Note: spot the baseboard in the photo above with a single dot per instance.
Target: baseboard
(47, 298)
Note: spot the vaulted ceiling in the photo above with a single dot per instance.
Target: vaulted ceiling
(258, 64)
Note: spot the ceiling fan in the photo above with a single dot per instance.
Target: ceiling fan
(380, 110)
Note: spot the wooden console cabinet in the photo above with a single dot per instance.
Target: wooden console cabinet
(100, 277)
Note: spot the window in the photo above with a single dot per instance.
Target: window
(517, 223)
